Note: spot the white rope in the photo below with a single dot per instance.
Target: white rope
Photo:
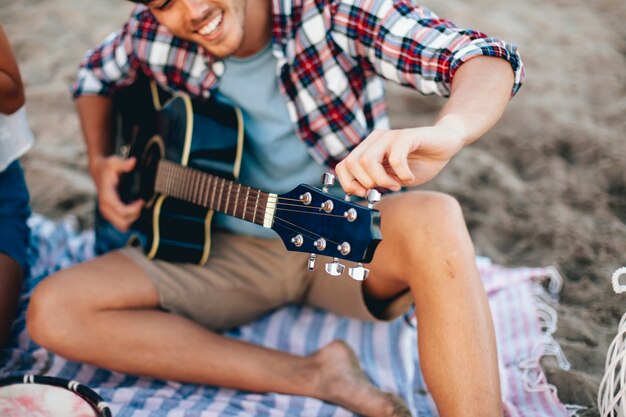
(617, 286)
(532, 373)
(612, 392)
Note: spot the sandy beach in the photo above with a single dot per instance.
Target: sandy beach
(547, 186)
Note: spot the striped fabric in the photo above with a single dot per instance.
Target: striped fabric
(332, 57)
(523, 319)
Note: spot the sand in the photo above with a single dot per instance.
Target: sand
(547, 186)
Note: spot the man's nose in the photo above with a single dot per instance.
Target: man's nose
(198, 9)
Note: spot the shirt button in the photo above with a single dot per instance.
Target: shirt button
(218, 68)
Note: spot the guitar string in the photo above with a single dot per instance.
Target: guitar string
(279, 205)
(193, 182)
(224, 206)
(192, 179)
(303, 230)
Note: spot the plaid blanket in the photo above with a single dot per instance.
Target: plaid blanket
(524, 322)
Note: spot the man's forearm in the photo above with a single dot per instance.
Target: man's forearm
(95, 114)
(480, 91)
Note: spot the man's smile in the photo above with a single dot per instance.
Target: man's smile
(212, 25)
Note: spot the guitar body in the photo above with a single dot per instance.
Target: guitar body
(206, 136)
(188, 158)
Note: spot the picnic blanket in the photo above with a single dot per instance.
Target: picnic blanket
(520, 300)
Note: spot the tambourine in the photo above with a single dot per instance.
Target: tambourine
(46, 396)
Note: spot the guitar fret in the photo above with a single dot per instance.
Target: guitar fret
(213, 194)
(191, 184)
(236, 200)
(256, 204)
(262, 207)
(205, 189)
(245, 206)
(194, 188)
(185, 188)
(211, 188)
(168, 177)
(197, 194)
(170, 187)
(219, 199)
(187, 185)
(190, 177)
(230, 186)
(201, 188)
(201, 184)
(170, 180)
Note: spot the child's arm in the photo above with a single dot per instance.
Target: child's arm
(11, 88)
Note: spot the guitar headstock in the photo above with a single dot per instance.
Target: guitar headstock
(311, 220)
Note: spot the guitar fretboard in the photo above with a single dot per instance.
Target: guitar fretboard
(215, 193)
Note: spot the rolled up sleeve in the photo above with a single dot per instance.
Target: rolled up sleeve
(410, 45)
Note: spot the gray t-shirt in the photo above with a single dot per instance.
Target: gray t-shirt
(274, 158)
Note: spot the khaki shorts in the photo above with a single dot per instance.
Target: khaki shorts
(246, 277)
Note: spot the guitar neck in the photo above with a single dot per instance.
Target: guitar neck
(215, 193)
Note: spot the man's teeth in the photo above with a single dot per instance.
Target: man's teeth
(211, 25)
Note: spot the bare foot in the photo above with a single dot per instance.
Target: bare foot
(344, 383)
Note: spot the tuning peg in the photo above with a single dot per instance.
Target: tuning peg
(334, 268)
(327, 180)
(347, 197)
(373, 196)
(312, 261)
(358, 273)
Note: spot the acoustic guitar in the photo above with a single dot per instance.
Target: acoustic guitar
(188, 157)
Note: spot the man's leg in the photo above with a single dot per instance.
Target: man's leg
(105, 312)
(426, 246)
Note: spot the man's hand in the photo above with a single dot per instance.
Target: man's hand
(398, 158)
(391, 159)
(106, 172)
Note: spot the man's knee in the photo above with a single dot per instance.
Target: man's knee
(427, 226)
(421, 211)
(48, 318)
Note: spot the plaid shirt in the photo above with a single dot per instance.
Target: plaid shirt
(332, 58)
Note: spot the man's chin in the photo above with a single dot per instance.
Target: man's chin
(220, 51)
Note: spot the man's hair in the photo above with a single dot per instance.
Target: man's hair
(141, 1)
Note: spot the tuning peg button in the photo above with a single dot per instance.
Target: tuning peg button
(359, 272)
(311, 265)
(334, 268)
(327, 180)
(373, 196)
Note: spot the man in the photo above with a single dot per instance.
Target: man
(307, 75)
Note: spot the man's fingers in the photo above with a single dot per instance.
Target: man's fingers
(119, 214)
(124, 165)
(349, 184)
(398, 162)
(376, 160)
